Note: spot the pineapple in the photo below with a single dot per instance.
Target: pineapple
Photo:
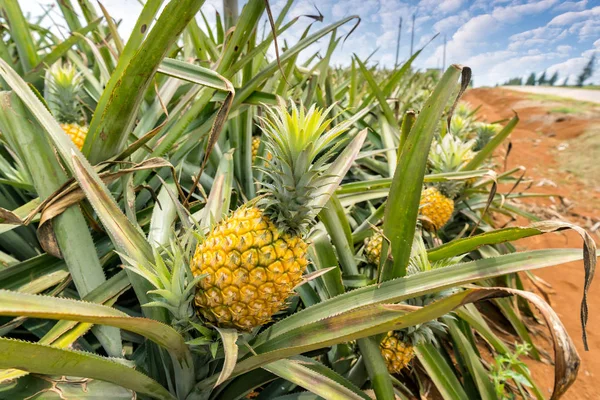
(436, 207)
(63, 90)
(373, 248)
(254, 258)
(256, 147)
(449, 154)
(397, 347)
(396, 352)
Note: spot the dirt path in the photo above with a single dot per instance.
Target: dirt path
(536, 144)
(577, 94)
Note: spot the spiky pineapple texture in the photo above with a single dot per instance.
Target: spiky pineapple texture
(397, 352)
(254, 258)
(256, 146)
(436, 207)
(373, 247)
(251, 269)
(76, 132)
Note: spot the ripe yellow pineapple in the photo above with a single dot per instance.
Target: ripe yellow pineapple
(254, 258)
(396, 352)
(256, 147)
(449, 154)
(252, 267)
(62, 92)
(436, 207)
(76, 132)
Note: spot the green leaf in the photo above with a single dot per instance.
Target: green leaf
(41, 359)
(58, 388)
(315, 377)
(68, 234)
(405, 193)
(381, 98)
(416, 285)
(270, 69)
(19, 304)
(489, 148)
(230, 348)
(118, 107)
(440, 372)
(64, 333)
(21, 35)
(61, 49)
(376, 368)
(195, 74)
(474, 365)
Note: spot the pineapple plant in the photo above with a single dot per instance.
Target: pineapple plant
(64, 87)
(207, 357)
(398, 347)
(449, 154)
(254, 258)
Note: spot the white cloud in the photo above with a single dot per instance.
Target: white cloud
(573, 16)
(571, 6)
(565, 48)
(513, 13)
(443, 7)
(452, 22)
(572, 67)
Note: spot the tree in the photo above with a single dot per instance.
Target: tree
(542, 79)
(553, 79)
(564, 83)
(587, 72)
(531, 80)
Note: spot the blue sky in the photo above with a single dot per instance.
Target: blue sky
(498, 39)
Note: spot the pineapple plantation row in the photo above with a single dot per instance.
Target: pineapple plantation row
(184, 217)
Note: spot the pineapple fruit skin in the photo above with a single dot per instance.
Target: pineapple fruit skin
(436, 207)
(396, 353)
(255, 146)
(373, 248)
(251, 269)
(76, 132)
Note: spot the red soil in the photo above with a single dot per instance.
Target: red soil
(535, 144)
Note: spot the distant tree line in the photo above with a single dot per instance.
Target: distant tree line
(543, 80)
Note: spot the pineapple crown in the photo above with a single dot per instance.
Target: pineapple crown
(463, 109)
(450, 154)
(301, 146)
(63, 89)
(485, 132)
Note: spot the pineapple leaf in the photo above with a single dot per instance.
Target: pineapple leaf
(405, 193)
(42, 359)
(317, 378)
(440, 372)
